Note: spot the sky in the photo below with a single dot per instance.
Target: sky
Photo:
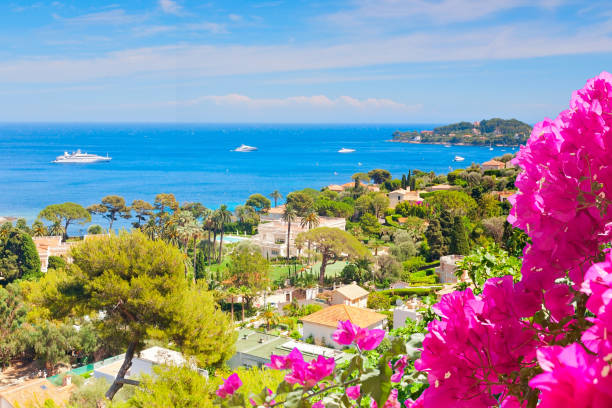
(278, 61)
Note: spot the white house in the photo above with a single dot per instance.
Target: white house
(322, 324)
(408, 310)
(352, 295)
(143, 363)
(272, 236)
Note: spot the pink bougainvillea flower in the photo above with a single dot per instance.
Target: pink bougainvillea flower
(418, 403)
(572, 377)
(285, 362)
(318, 404)
(353, 392)
(309, 374)
(229, 386)
(366, 339)
(399, 368)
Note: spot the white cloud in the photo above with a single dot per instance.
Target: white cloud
(314, 101)
(235, 17)
(112, 17)
(193, 61)
(152, 30)
(444, 11)
(170, 7)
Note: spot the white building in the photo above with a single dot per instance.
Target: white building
(352, 295)
(143, 363)
(408, 310)
(272, 235)
(322, 324)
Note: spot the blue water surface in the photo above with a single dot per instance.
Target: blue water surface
(195, 161)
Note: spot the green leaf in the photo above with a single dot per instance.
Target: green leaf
(294, 399)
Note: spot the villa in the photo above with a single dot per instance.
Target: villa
(272, 236)
(401, 195)
(51, 246)
(322, 324)
(352, 295)
(493, 165)
(274, 213)
(447, 268)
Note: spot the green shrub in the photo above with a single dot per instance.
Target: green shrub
(378, 301)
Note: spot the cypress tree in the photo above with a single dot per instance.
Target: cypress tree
(412, 184)
(459, 241)
(446, 226)
(435, 240)
(200, 267)
(404, 183)
(408, 180)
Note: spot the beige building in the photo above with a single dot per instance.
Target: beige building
(51, 246)
(401, 195)
(322, 324)
(493, 165)
(447, 268)
(272, 236)
(351, 295)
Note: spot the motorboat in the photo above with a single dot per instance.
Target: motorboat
(459, 159)
(245, 148)
(345, 150)
(79, 157)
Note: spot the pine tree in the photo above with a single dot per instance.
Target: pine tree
(459, 241)
(435, 240)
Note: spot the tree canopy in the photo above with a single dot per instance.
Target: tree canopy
(379, 176)
(140, 287)
(456, 202)
(259, 202)
(18, 257)
(333, 244)
(64, 214)
(111, 207)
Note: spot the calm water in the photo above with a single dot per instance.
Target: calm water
(195, 162)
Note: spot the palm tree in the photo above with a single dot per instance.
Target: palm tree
(270, 316)
(39, 229)
(56, 229)
(276, 196)
(244, 292)
(310, 221)
(232, 292)
(289, 215)
(222, 216)
(190, 230)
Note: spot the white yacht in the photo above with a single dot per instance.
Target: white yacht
(459, 159)
(345, 150)
(245, 148)
(79, 157)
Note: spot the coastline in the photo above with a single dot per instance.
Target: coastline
(448, 143)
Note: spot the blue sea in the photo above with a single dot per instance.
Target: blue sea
(195, 161)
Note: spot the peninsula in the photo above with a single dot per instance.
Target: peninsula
(495, 131)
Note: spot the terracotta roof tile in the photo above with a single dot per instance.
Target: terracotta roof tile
(330, 316)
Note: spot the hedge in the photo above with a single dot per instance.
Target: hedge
(411, 291)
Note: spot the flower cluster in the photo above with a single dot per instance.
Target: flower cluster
(307, 374)
(365, 339)
(229, 386)
(477, 341)
(565, 189)
(483, 350)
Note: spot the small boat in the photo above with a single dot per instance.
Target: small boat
(459, 159)
(345, 150)
(245, 148)
(490, 147)
(447, 145)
